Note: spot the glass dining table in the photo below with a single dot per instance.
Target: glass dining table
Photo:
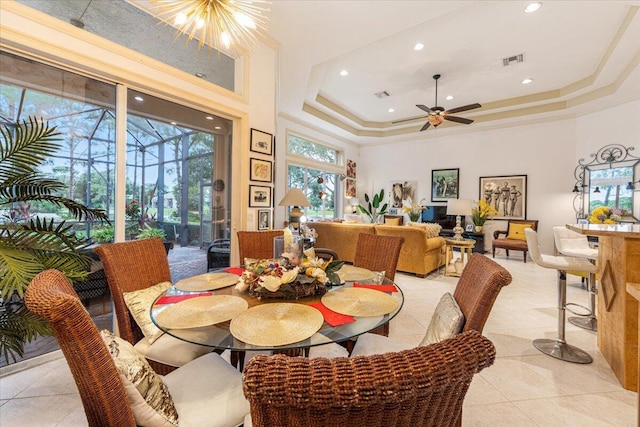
(219, 336)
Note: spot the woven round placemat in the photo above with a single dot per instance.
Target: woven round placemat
(360, 302)
(350, 273)
(207, 282)
(276, 324)
(201, 311)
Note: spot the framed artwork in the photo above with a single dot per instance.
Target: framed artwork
(261, 142)
(264, 219)
(469, 227)
(445, 184)
(259, 196)
(260, 170)
(350, 187)
(508, 194)
(351, 169)
(402, 190)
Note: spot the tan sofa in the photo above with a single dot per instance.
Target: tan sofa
(419, 254)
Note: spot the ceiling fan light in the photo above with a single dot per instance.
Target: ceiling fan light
(436, 120)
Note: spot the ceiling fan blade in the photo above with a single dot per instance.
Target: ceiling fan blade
(425, 127)
(458, 119)
(424, 108)
(465, 108)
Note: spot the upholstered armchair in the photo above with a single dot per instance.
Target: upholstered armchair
(514, 239)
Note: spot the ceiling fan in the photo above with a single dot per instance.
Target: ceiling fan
(438, 114)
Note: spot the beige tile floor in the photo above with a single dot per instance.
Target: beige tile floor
(523, 387)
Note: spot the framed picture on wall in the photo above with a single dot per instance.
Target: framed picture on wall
(261, 142)
(261, 170)
(264, 219)
(508, 194)
(445, 184)
(401, 191)
(350, 187)
(351, 169)
(259, 196)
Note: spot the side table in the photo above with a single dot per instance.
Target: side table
(466, 249)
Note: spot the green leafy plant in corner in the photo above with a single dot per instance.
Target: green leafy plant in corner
(103, 235)
(373, 210)
(32, 244)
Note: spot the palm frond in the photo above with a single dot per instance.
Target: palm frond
(19, 326)
(17, 268)
(27, 185)
(26, 146)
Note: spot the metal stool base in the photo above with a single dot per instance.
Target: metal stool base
(590, 323)
(562, 351)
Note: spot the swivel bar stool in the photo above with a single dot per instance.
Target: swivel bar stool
(559, 348)
(570, 243)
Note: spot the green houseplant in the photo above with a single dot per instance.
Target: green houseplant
(373, 210)
(29, 245)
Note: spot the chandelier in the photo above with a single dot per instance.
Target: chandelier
(229, 26)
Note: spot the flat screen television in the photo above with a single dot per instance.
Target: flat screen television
(438, 215)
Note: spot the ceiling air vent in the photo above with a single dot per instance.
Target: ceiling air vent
(512, 60)
(382, 94)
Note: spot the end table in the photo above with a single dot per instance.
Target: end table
(466, 248)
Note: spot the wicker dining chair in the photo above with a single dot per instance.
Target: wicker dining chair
(423, 386)
(197, 399)
(132, 266)
(378, 253)
(476, 292)
(256, 244)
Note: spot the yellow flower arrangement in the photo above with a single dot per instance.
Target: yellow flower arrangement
(606, 215)
(482, 212)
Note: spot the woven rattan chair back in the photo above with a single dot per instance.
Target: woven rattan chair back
(478, 287)
(256, 244)
(424, 386)
(132, 266)
(378, 253)
(105, 402)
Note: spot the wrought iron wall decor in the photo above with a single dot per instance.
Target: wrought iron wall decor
(609, 154)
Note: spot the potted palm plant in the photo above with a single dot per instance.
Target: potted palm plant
(374, 208)
(30, 244)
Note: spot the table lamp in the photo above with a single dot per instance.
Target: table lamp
(458, 207)
(296, 198)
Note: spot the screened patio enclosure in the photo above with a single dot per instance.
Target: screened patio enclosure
(173, 153)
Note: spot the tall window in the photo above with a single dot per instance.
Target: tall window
(315, 168)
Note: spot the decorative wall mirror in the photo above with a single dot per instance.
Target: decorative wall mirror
(611, 178)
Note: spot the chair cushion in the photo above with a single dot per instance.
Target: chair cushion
(207, 392)
(516, 231)
(149, 397)
(370, 344)
(139, 304)
(447, 321)
(392, 221)
(171, 350)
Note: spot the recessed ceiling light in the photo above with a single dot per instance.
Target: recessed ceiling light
(201, 75)
(139, 98)
(526, 81)
(418, 46)
(344, 73)
(209, 118)
(174, 123)
(532, 7)
(449, 97)
(217, 127)
(391, 110)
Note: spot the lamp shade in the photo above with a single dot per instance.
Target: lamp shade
(294, 197)
(460, 207)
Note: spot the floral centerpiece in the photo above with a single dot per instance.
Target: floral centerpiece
(482, 212)
(268, 278)
(414, 210)
(607, 215)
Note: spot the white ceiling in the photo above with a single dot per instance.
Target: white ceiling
(582, 55)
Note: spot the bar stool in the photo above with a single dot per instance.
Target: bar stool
(559, 348)
(570, 243)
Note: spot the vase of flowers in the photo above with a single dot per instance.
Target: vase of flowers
(414, 210)
(277, 278)
(607, 215)
(481, 213)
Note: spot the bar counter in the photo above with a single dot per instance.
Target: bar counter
(618, 264)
